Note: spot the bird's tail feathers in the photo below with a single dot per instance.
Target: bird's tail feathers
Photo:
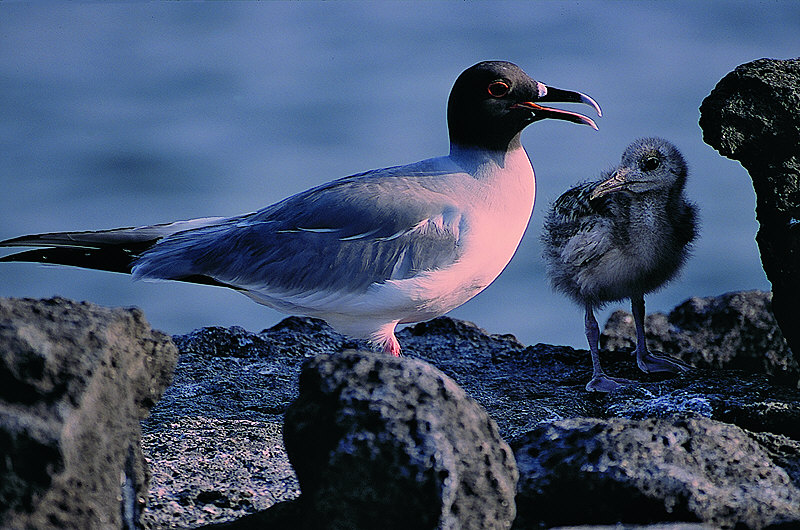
(112, 250)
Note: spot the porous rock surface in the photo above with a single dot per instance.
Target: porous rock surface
(753, 116)
(384, 442)
(75, 380)
(215, 441)
(211, 469)
(654, 470)
(225, 374)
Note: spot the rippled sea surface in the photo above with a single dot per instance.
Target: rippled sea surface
(124, 115)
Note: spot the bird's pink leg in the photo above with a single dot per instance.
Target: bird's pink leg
(384, 340)
(392, 346)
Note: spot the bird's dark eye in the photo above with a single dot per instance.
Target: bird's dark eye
(650, 163)
(498, 89)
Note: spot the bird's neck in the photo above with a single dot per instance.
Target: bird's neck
(661, 200)
(657, 210)
(476, 160)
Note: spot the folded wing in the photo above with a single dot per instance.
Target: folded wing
(346, 235)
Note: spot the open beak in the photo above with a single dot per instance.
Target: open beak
(617, 182)
(556, 95)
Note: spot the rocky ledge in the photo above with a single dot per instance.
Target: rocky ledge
(374, 438)
(468, 430)
(295, 427)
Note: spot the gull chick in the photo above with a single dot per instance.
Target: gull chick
(369, 251)
(619, 237)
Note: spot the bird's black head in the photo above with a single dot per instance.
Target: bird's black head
(648, 164)
(491, 102)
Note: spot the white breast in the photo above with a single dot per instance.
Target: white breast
(497, 204)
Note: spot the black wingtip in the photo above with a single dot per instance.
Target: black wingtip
(21, 241)
(112, 260)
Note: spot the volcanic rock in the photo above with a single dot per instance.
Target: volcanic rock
(75, 380)
(753, 116)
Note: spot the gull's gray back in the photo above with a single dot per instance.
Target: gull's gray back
(364, 229)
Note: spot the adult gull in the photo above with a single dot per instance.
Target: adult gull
(369, 251)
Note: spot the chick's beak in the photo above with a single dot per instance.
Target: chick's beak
(617, 181)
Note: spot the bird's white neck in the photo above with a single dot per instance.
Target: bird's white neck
(485, 162)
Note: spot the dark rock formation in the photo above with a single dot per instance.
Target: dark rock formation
(254, 377)
(378, 441)
(75, 379)
(733, 331)
(753, 116)
(587, 471)
(214, 441)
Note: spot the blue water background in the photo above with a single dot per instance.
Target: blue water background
(130, 114)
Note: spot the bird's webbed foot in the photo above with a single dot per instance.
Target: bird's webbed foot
(658, 362)
(605, 383)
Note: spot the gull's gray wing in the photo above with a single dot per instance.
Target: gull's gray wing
(344, 235)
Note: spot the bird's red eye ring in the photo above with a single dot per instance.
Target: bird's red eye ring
(498, 89)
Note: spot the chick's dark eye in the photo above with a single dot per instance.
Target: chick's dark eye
(650, 163)
(498, 89)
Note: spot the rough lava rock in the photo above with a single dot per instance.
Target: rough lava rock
(238, 467)
(753, 116)
(254, 377)
(75, 380)
(588, 471)
(384, 442)
(215, 440)
(733, 331)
